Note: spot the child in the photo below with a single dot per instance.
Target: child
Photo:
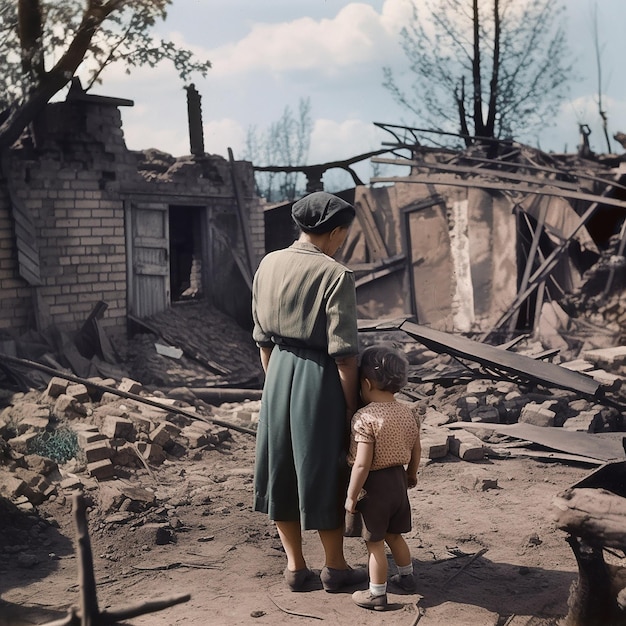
(384, 438)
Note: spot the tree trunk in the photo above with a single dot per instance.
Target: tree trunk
(479, 126)
(495, 73)
(50, 83)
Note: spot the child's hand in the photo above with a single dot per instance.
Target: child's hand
(350, 505)
(412, 481)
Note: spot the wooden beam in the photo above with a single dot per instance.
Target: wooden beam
(494, 173)
(375, 243)
(546, 190)
(513, 363)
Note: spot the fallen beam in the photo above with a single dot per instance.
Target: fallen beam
(496, 358)
(123, 394)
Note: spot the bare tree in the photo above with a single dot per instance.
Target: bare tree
(493, 68)
(598, 48)
(286, 142)
(44, 43)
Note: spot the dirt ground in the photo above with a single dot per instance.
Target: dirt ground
(230, 560)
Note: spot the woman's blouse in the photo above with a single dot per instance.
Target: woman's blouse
(302, 294)
(393, 428)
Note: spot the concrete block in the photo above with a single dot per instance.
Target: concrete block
(56, 387)
(160, 436)
(32, 423)
(466, 446)
(586, 422)
(488, 414)
(434, 443)
(155, 534)
(607, 380)
(478, 479)
(130, 386)
(97, 451)
(195, 437)
(11, 486)
(606, 357)
(151, 452)
(88, 437)
(68, 406)
(101, 470)
(537, 414)
(114, 427)
(21, 443)
(142, 424)
(78, 392)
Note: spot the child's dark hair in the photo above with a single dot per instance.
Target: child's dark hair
(385, 366)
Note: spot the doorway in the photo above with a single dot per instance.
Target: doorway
(186, 254)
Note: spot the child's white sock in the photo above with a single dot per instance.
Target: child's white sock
(378, 590)
(406, 570)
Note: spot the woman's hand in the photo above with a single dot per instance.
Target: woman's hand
(350, 505)
(411, 480)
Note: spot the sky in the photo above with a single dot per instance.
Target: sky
(268, 55)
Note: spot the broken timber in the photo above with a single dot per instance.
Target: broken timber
(124, 394)
(547, 188)
(90, 615)
(593, 446)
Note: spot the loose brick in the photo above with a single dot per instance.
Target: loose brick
(466, 446)
(56, 387)
(101, 470)
(98, 451)
(114, 427)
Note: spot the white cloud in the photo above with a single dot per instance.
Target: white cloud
(333, 141)
(357, 35)
(219, 135)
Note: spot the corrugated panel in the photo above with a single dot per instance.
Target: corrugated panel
(25, 235)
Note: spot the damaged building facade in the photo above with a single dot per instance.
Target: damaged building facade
(85, 221)
(465, 243)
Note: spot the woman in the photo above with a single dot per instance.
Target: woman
(304, 311)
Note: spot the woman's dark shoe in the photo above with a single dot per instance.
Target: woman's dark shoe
(299, 579)
(334, 580)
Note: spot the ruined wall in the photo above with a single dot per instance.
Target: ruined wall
(77, 183)
(78, 218)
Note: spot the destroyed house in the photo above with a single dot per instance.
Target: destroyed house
(87, 223)
(465, 243)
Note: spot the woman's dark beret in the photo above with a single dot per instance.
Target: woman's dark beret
(321, 212)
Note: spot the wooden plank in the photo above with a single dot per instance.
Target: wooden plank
(534, 246)
(546, 190)
(546, 267)
(571, 173)
(620, 252)
(151, 242)
(375, 242)
(484, 171)
(241, 214)
(150, 269)
(593, 446)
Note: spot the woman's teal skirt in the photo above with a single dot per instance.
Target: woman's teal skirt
(300, 469)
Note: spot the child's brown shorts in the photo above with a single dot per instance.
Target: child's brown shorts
(385, 508)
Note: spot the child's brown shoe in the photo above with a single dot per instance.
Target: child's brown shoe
(406, 582)
(367, 600)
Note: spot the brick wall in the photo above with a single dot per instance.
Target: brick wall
(74, 185)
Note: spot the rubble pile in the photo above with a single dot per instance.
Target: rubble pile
(90, 435)
(216, 351)
(597, 310)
